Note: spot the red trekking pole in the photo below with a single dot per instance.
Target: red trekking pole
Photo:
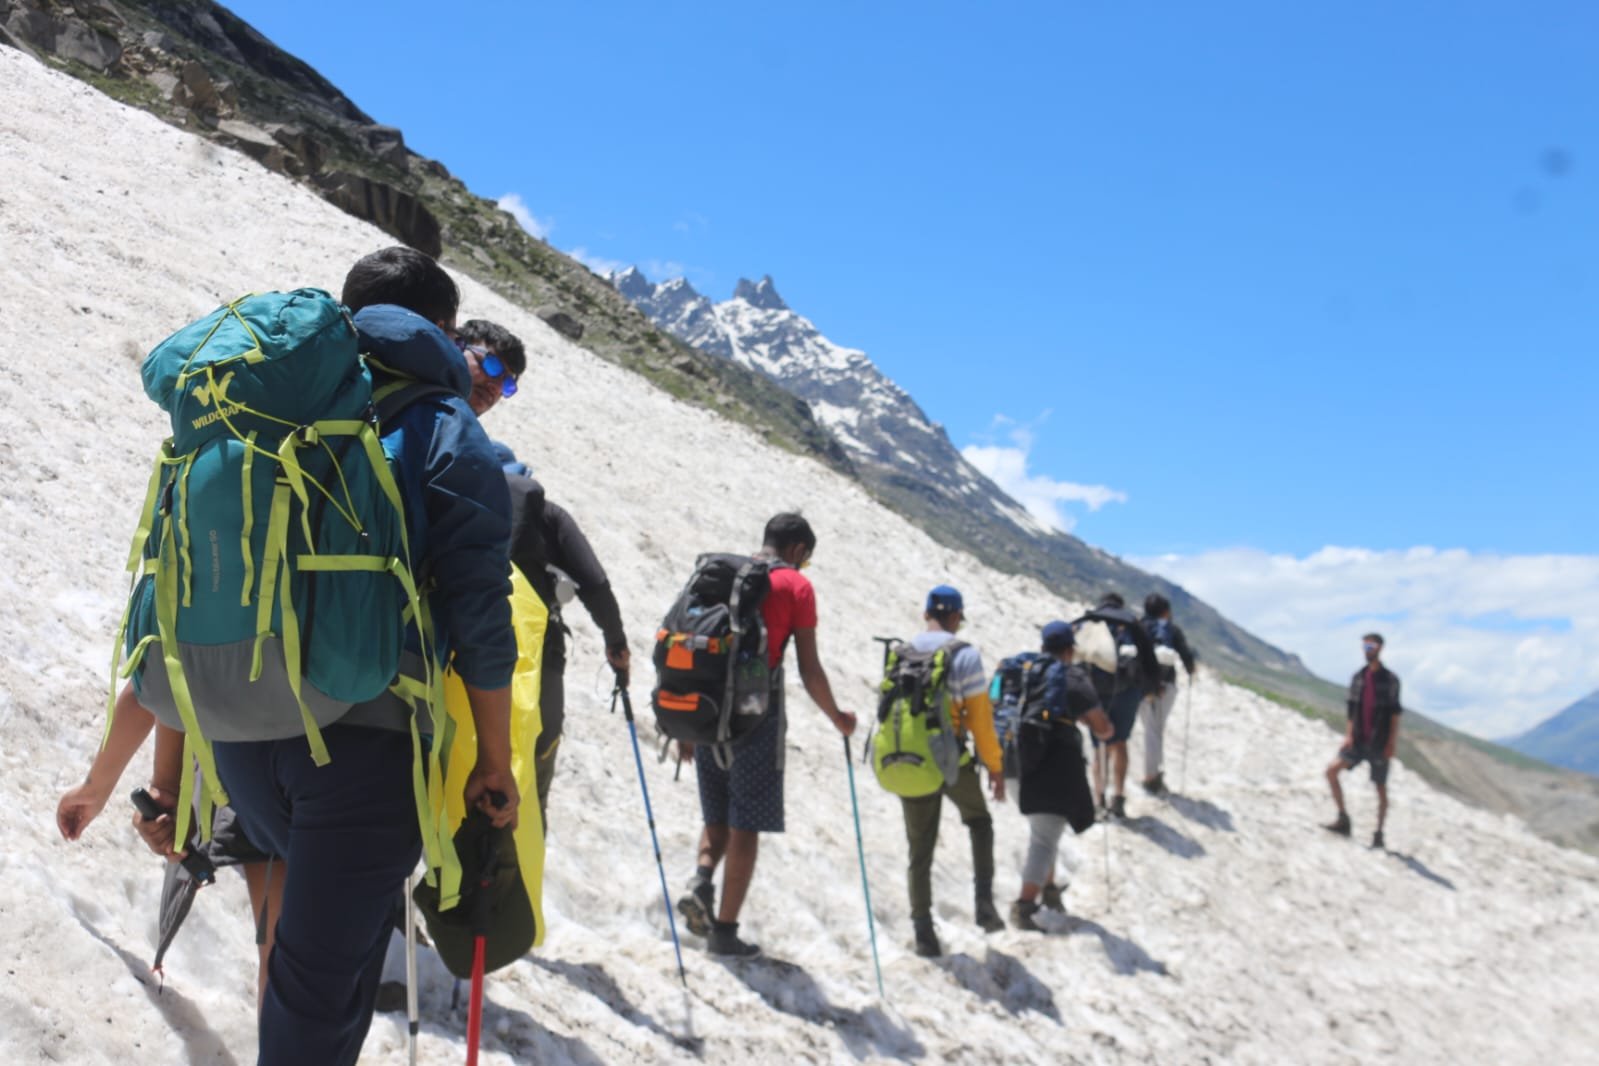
(480, 927)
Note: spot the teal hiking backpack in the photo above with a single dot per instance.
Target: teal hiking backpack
(916, 751)
(272, 579)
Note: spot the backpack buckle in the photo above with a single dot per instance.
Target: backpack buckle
(308, 436)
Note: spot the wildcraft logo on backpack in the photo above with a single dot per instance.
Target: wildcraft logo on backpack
(272, 581)
(712, 681)
(916, 751)
(1018, 698)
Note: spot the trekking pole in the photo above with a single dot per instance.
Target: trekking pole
(411, 1015)
(860, 851)
(481, 905)
(649, 815)
(888, 647)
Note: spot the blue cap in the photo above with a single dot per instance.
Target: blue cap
(1057, 636)
(943, 599)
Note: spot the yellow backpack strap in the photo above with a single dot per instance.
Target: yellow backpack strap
(166, 612)
(135, 567)
(247, 498)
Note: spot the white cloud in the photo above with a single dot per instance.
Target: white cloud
(663, 269)
(1491, 644)
(513, 204)
(598, 263)
(1044, 497)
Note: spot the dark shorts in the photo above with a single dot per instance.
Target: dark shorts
(228, 845)
(1353, 756)
(1123, 712)
(749, 794)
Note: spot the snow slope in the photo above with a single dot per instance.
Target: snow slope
(1230, 930)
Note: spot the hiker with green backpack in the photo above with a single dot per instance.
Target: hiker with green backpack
(326, 529)
(1053, 790)
(935, 695)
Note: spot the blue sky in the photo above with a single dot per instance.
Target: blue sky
(1192, 279)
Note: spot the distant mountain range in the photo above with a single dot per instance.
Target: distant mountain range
(1569, 738)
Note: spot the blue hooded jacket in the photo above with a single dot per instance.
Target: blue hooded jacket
(460, 533)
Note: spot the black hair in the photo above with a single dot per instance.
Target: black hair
(1112, 599)
(402, 276)
(1373, 636)
(787, 529)
(497, 339)
(1156, 605)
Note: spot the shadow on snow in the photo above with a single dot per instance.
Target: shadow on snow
(1168, 837)
(1001, 979)
(788, 988)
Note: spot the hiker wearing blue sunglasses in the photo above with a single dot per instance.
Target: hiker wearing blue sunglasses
(495, 358)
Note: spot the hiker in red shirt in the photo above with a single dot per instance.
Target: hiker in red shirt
(1371, 736)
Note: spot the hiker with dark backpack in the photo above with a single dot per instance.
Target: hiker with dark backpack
(1171, 647)
(719, 694)
(1053, 790)
(344, 814)
(935, 695)
(1136, 675)
(545, 536)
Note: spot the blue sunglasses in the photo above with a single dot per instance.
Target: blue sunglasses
(492, 365)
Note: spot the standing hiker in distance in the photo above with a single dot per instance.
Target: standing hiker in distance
(972, 714)
(1371, 736)
(1155, 710)
(744, 800)
(1053, 791)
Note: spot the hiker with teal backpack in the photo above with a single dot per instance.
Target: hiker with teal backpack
(719, 678)
(935, 695)
(1171, 648)
(326, 529)
(1052, 790)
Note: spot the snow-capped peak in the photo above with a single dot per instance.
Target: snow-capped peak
(762, 294)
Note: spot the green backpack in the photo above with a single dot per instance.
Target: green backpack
(916, 751)
(272, 576)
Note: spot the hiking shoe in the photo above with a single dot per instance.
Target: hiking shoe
(987, 917)
(1021, 916)
(697, 907)
(1339, 825)
(1156, 786)
(1051, 900)
(927, 945)
(1376, 840)
(724, 941)
(1118, 806)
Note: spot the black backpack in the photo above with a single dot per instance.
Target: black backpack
(1018, 697)
(712, 682)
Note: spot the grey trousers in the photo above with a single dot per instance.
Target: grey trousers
(1043, 844)
(1154, 712)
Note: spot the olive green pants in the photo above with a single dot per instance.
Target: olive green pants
(921, 833)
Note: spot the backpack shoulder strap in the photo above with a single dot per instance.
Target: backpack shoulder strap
(395, 396)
